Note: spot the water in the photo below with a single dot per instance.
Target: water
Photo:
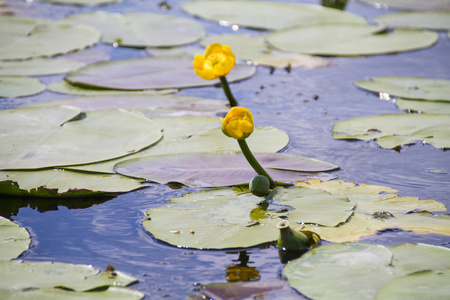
(108, 231)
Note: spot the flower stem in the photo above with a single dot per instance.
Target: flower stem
(226, 89)
(253, 162)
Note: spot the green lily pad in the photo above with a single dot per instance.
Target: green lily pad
(420, 285)
(18, 275)
(112, 293)
(255, 50)
(141, 29)
(350, 39)
(57, 136)
(232, 218)
(38, 67)
(354, 270)
(150, 105)
(63, 183)
(63, 87)
(13, 239)
(379, 208)
(408, 87)
(148, 73)
(83, 2)
(434, 107)
(221, 169)
(410, 4)
(24, 38)
(267, 15)
(198, 134)
(19, 86)
(407, 254)
(436, 20)
(392, 131)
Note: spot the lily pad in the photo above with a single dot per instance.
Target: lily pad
(63, 183)
(392, 131)
(255, 50)
(434, 107)
(38, 67)
(13, 239)
(350, 39)
(379, 208)
(197, 134)
(408, 87)
(420, 285)
(64, 87)
(11, 87)
(267, 15)
(83, 2)
(39, 137)
(141, 29)
(436, 20)
(410, 4)
(17, 275)
(354, 270)
(233, 218)
(25, 38)
(150, 105)
(221, 169)
(148, 73)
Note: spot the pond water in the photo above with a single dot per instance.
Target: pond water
(108, 231)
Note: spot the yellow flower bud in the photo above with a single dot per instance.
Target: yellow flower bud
(217, 61)
(238, 123)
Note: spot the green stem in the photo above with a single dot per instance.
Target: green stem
(226, 89)
(253, 162)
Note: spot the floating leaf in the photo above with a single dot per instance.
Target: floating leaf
(19, 86)
(267, 15)
(255, 50)
(148, 73)
(350, 39)
(52, 137)
(392, 131)
(434, 107)
(25, 38)
(18, 275)
(408, 87)
(38, 67)
(141, 29)
(232, 218)
(83, 2)
(63, 183)
(221, 169)
(420, 285)
(379, 208)
(355, 270)
(410, 4)
(436, 20)
(198, 134)
(150, 105)
(63, 87)
(112, 293)
(13, 239)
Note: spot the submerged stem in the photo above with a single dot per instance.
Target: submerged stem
(226, 89)
(253, 162)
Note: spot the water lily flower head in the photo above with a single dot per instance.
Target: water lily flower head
(238, 123)
(217, 61)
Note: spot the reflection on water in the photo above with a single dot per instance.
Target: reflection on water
(241, 271)
(338, 4)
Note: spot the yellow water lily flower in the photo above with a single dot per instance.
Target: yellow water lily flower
(238, 123)
(217, 61)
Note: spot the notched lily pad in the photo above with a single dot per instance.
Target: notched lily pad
(408, 87)
(392, 131)
(38, 67)
(221, 169)
(13, 239)
(234, 218)
(434, 107)
(350, 39)
(11, 87)
(141, 29)
(148, 73)
(436, 20)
